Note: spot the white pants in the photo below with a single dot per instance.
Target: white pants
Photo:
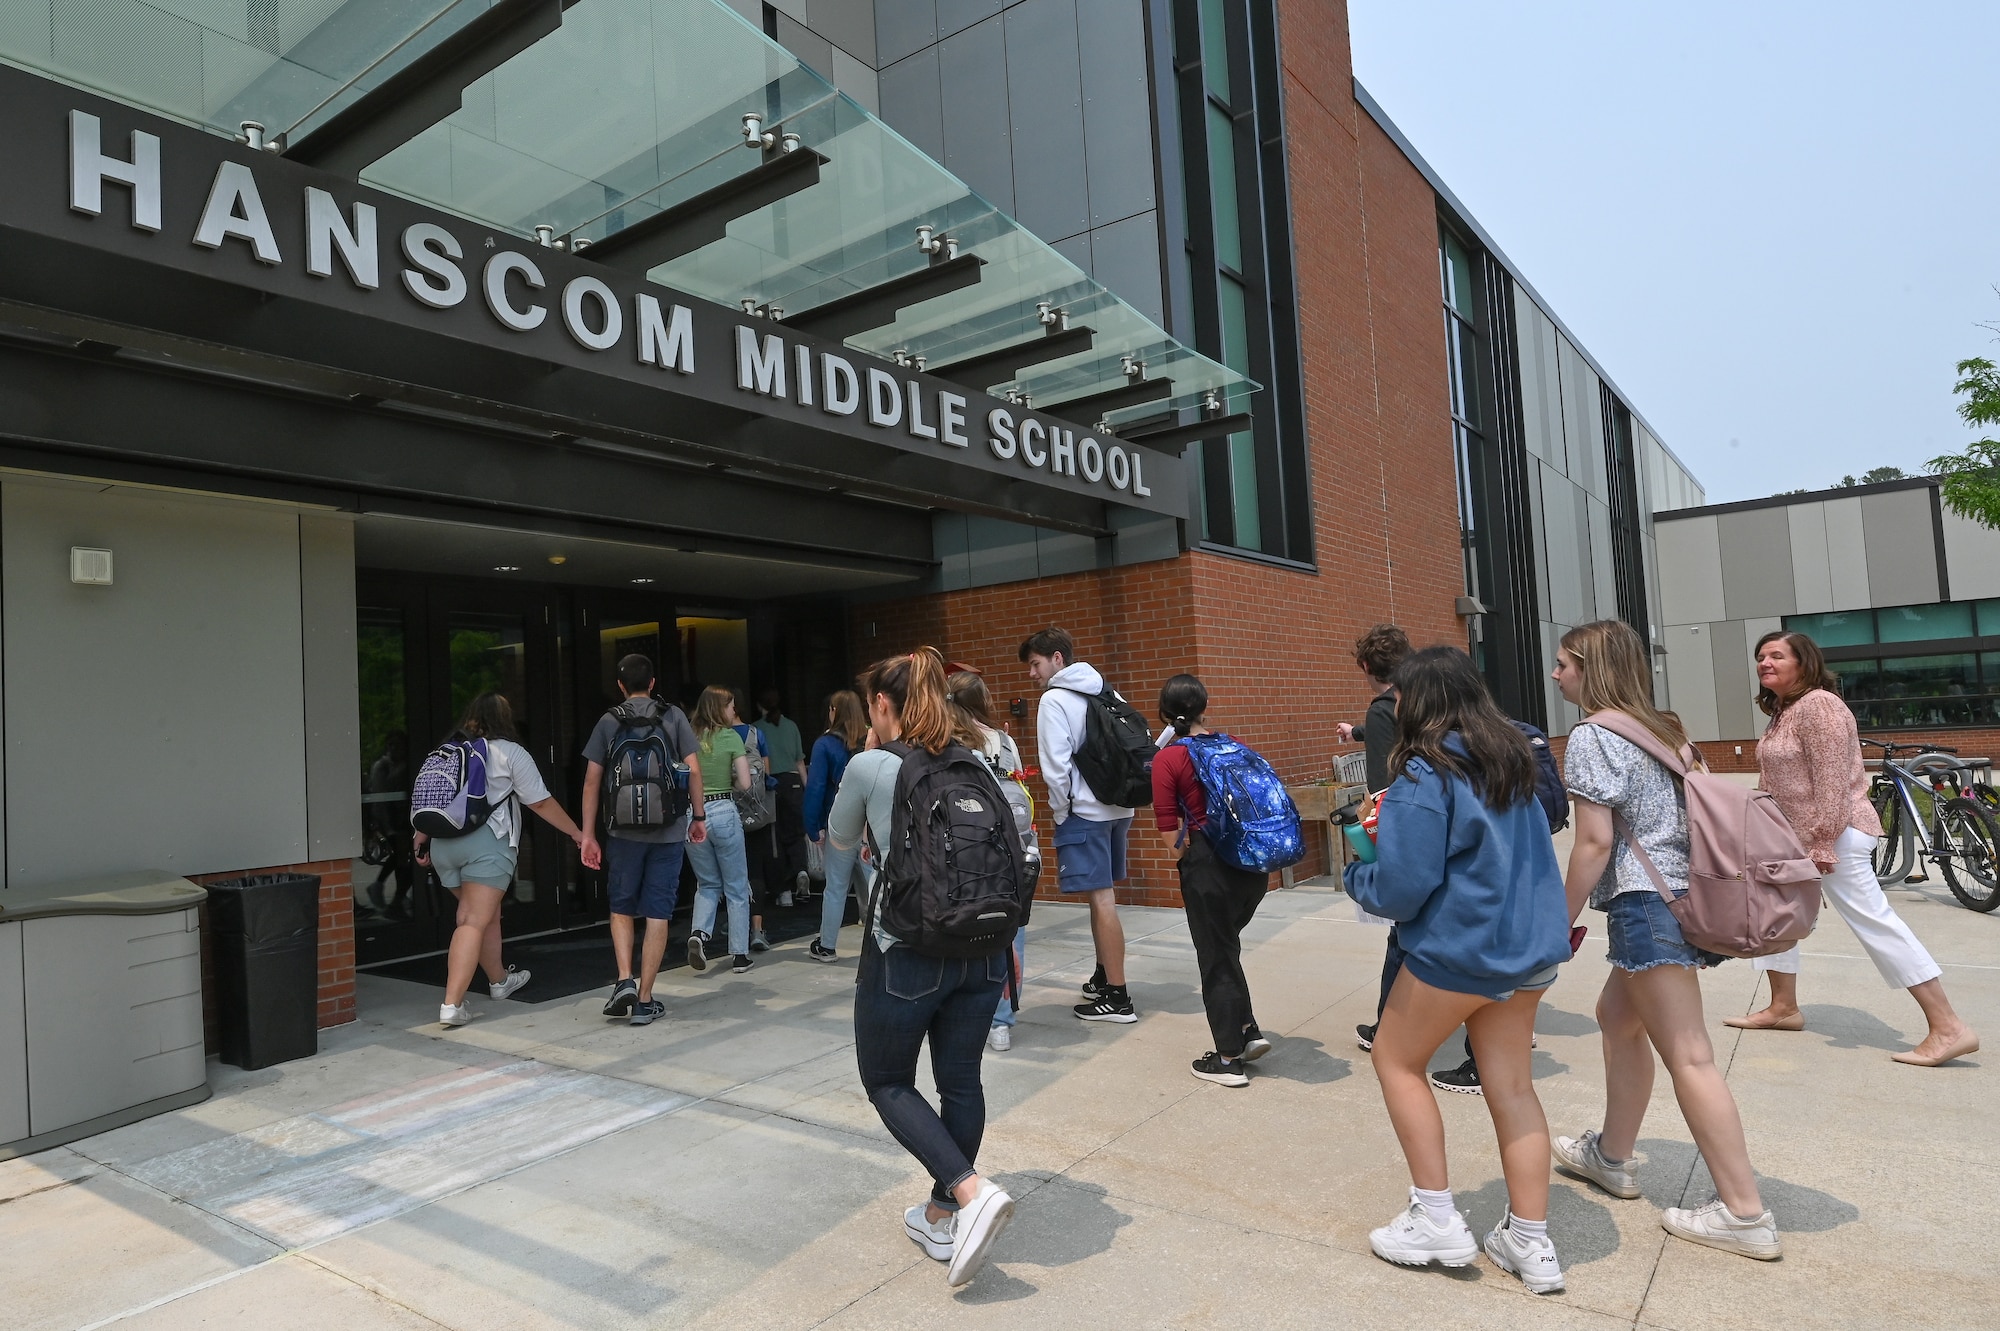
(1853, 890)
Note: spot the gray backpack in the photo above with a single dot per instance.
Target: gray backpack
(754, 806)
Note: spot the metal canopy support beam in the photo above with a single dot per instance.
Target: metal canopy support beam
(705, 218)
(1177, 439)
(428, 89)
(1094, 407)
(878, 306)
(997, 367)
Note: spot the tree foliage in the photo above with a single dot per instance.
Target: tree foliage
(1969, 482)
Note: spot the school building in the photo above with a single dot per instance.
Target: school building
(356, 358)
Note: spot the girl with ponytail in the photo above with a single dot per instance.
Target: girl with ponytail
(903, 997)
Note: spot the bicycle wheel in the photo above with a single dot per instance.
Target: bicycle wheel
(1893, 851)
(1970, 854)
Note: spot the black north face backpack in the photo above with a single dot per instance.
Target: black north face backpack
(952, 881)
(1117, 752)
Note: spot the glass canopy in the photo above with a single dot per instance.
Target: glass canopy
(629, 108)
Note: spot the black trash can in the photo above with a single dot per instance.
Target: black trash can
(264, 937)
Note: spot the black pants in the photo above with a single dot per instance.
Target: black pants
(1392, 961)
(790, 829)
(760, 851)
(1220, 900)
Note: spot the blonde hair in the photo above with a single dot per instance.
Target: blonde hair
(709, 713)
(1618, 676)
(914, 685)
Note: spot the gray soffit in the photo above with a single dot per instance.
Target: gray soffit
(1803, 497)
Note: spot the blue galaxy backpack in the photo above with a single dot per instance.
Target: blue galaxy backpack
(1252, 822)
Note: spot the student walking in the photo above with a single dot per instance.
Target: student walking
(1810, 762)
(720, 866)
(1652, 999)
(786, 748)
(1378, 652)
(1090, 831)
(972, 722)
(756, 808)
(846, 733)
(1466, 868)
(647, 829)
(478, 867)
(905, 996)
(1219, 899)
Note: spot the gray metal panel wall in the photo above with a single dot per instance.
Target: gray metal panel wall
(1045, 93)
(978, 138)
(1733, 687)
(1583, 419)
(13, 1038)
(1902, 547)
(1756, 551)
(1812, 575)
(1972, 558)
(1125, 257)
(1567, 541)
(815, 50)
(952, 15)
(332, 690)
(188, 667)
(1691, 679)
(1690, 570)
(1846, 554)
(851, 24)
(1117, 109)
(1541, 404)
(1603, 569)
(912, 103)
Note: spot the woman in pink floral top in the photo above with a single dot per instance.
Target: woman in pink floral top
(1810, 761)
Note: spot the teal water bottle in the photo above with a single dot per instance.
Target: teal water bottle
(1359, 837)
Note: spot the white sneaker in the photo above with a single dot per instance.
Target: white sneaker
(1714, 1226)
(1580, 1157)
(934, 1237)
(1000, 1039)
(784, 898)
(1534, 1260)
(454, 1016)
(979, 1223)
(515, 979)
(1414, 1239)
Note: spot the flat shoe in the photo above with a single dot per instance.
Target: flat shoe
(1966, 1044)
(1744, 1023)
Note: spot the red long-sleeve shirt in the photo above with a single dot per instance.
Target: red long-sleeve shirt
(1175, 789)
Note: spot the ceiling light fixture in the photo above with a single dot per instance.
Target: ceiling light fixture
(506, 568)
(642, 581)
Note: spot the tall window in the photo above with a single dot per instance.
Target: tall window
(1464, 354)
(1236, 226)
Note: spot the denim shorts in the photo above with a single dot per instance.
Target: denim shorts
(1090, 856)
(642, 878)
(1645, 934)
(476, 857)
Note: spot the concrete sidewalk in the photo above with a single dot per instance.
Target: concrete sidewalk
(546, 1168)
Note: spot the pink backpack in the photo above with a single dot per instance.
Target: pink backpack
(1752, 888)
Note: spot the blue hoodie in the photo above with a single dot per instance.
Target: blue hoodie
(1476, 895)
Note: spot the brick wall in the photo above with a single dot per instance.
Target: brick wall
(1273, 644)
(336, 944)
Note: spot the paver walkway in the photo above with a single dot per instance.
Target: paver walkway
(544, 1168)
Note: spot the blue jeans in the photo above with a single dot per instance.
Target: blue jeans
(1004, 1014)
(842, 867)
(721, 868)
(899, 999)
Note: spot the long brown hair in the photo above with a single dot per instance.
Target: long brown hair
(709, 715)
(915, 686)
(1813, 673)
(971, 708)
(1439, 693)
(1617, 676)
(489, 716)
(850, 720)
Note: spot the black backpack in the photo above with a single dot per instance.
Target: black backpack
(953, 881)
(1116, 756)
(645, 787)
(1548, 781)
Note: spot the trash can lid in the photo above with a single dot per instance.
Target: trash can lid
(138, 892)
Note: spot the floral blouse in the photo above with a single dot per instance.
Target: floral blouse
(1810, 761)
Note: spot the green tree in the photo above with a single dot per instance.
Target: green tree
(1969, 482)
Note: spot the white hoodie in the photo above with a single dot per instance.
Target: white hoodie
(1059, 725)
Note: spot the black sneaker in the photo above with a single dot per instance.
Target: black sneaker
(623, 995)
(697, 958)
(1212, 1066)
(1464, 1079)
(644, 1014)
(819, 953)
(1094, 986)
(1111, 1004)
(742, 963)
(1365, 1037)
(1255, 1046)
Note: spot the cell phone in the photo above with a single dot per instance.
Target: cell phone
(1576, 938)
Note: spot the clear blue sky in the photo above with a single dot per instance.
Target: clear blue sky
(1775, 225)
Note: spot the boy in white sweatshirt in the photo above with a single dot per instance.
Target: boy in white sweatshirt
(1090, 834)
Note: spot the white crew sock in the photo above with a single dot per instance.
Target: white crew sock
(1528, 1229)
(1437, 1205)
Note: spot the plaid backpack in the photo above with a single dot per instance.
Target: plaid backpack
(448, 798)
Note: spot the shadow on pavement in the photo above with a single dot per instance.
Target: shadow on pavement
(1580, 1224)
(1673, 1171)
(1851, 1028)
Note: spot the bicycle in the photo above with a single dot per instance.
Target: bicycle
(1957, 832)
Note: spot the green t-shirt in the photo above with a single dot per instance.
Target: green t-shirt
(719, 751)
